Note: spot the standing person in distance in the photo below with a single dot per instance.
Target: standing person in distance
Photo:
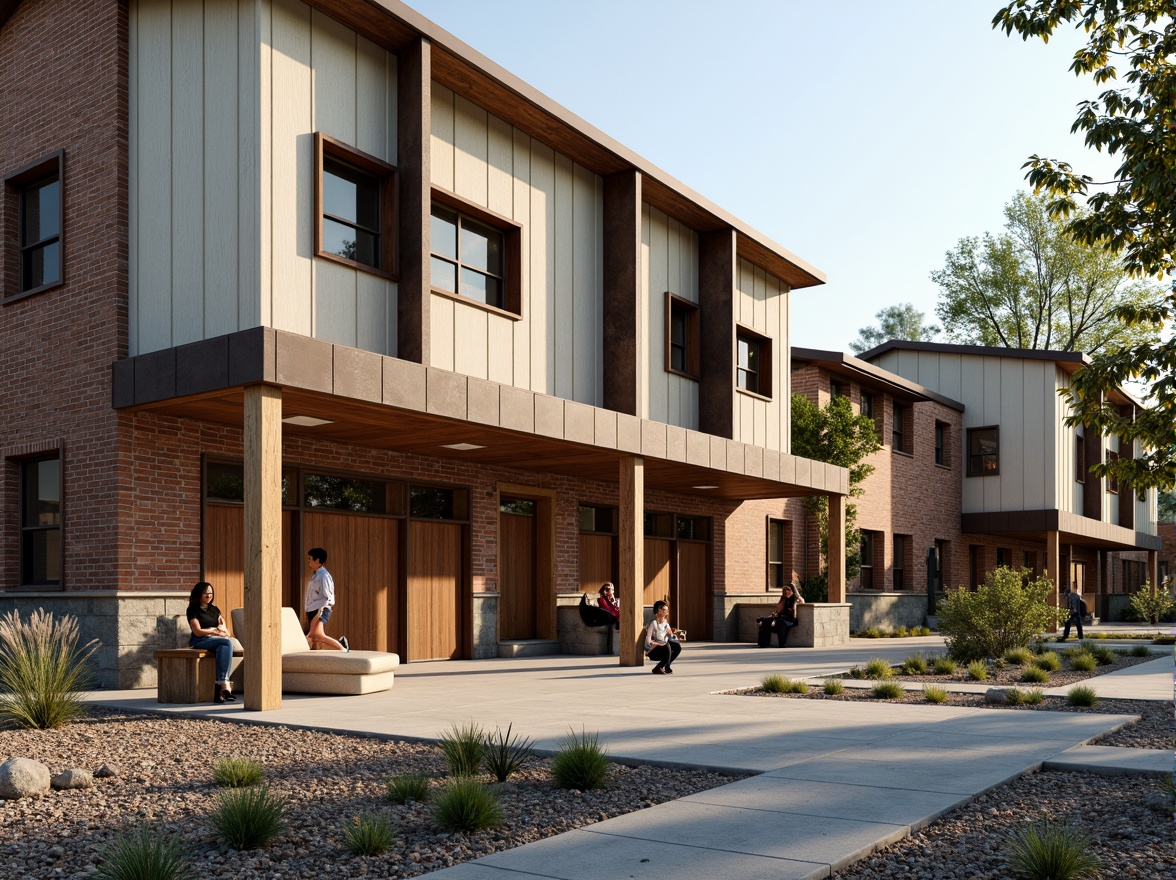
(1076, 605)
(320, 599)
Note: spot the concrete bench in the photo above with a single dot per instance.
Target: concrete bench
(818, 624)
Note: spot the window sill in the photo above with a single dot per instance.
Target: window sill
(362, 267)
(943, 467)
(903, 453)
(486, 307)
(754, 394)
(691, 376)
(986, 474)
(25, 294)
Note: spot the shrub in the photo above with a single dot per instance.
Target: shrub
(857, 672)
(505, 754)
(944, 666)
(144, 854)
(887, 690)
(1081, 695)
(463, 748)
(879, 668)
(1034, 675)
(42, 670)
(1140, 651)
(934, 694)
(408, 787)
(369, 834)
(915, 664)
(815, 588)
(466, 805)
(1104, 655)
(923, 631)
(1083, 662)
(580, 762)
(871, 633)
(1033, 697)
(249, 817)
(977, 670)
(774, 683)
(1018, 656)
(1001, 614)
(1048, 660)
(1014, 696)
(833, 687)
(900, 632)
(236, 772)
(1150, 607)
(1049, 851)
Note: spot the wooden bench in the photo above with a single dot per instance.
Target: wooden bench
(188, 675)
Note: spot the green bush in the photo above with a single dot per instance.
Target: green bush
(505, 754)
(1140, 651)
(857, 673)
(1049, 851)
(833, 687)
(466, 805)
(234, 772)
(1018, 656)
(943, 666)
(934, 694)
(774, 683)
(1033, 697)
(1001, 614)
(879, 668)
(1081, 695)
(915, 664)
(580, 762)
(923, 631)
(1083, 662)
(887, 690)
(42, 670)
(1034, 675)
(1150, 607)
(1048, 660)
(408, 787)
(1104, 655)
(369, 834)
(977, 670)
(900, 632)
(144, 854)
(815, 588)
(871, 633)
(248, 817)
(1014, 696)
(463, 748)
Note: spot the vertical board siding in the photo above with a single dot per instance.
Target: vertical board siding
(225, 98)
(556, 347)
(757, 307)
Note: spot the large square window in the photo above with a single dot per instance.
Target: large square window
(355, 207)
(753, 362)
(34, 209)
(681, 336)
(40, 521)
(475, 254)
(983, 452)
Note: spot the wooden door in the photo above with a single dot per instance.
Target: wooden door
(433, 599)
(597, 553)
(362, 557)
(658, 581)
(224, 555)
(517, 601)
(693, 609)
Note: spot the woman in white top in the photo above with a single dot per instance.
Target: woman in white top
(661, 640)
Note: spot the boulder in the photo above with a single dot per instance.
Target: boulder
(75, 778)
(23, 777)
(996, 695)
(105, 772)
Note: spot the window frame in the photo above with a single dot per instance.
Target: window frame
(16, 183)
(867, 566)
(972, 471)
(385, 175)
(1079, 458)
(512, 252)
(942, 444)
(1112, 480)
(902, 546)
(782, 565)
(691, 346)
(763, 390)
(22, 463)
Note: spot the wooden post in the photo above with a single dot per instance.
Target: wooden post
(263, 547)
(1153, 570)
(631, 584)
(836, 557)
(1053, 568)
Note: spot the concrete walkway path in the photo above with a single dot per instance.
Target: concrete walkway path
(837, 779)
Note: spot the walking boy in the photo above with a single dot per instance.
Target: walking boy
(320, 599)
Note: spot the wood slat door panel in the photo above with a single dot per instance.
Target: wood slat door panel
(596, 562)
(362, 555)
(693, 610)
(658, 583)
(516, 598)
(433, 605)
(224, 554)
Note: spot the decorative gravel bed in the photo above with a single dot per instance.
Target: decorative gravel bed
(165, 770)
(1010, 674)
(1129, 820)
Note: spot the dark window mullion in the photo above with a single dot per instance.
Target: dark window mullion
(356, 226)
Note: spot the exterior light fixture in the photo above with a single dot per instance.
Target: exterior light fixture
(306, 421)
(461, 447)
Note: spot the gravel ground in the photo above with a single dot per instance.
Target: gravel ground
(165, 769)
(1128, 819)
(1010, 674)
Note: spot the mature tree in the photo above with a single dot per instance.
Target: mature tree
(1034, 286)
(1166, 508)
(902, 321)
(837, 435)
(1134, 213)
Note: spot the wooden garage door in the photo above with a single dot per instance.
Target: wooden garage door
(362, 556)
(693, 612)
(658, 581)
(433, 606)
(224, 555)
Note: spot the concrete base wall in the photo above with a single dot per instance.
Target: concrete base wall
(887, 610)
(485, 625)
(818, 624)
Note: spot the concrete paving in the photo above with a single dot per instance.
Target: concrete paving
(836, 780)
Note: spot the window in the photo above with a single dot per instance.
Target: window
(598, 519)
(331, 492)
(226, 482)
(475, 254)
(902, 428)
(779, 544)
(837, 389)
(867, 575)
(753, 362)
(1004, 556)
(941, 443)
(1080, 459)
(693, 528)
(941, 562)
(975, 561)
(1112, 480)
(1031, 561)
(902, 546)
(34, 205)
(354, 207)
(659, 525)
(435, 502)
(681, 336)
(40, 521)
(983, 452)
(867, 407)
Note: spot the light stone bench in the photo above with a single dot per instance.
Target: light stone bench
(818, 624)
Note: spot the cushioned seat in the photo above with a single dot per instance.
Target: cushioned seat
(325, 672)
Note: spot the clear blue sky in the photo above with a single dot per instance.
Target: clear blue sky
(866, 138)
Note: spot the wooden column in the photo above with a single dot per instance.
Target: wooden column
(631, 584)
(263, 547)
(836, 557)
(414, 78)
(623, 318)
(1153, 570)
(1053, 568)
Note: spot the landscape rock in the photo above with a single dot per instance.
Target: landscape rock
(75, 778)
(996, 695)
(105, 772)
(23, 777)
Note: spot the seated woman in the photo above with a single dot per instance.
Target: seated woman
(782, 619)
(609, 602)
(209, 633)
(661, 640)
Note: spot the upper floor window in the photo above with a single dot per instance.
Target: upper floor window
(867, 407)
(354, 206)
(1080, 459)
(753, 362)
(681, 336)
(983, 452)
(40, 521)
(475, 255)
(34, 206)
(941, 443)
(837, 389)
(902, 430)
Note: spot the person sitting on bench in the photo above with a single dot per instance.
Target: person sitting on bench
(782, 619)
(608, 601)
(209, 633)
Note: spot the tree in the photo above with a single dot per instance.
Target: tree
(1166, 508)
(836, 435)
(1134, 213)
(902, 321)
(1034, 286)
